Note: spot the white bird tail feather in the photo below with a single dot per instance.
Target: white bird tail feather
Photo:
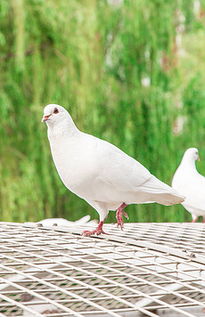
(161, 193)
(168, 199)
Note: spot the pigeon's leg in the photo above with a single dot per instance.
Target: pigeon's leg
(97, 231)
(103, 212)
(119, 214)
(194, 218)
(203, 220)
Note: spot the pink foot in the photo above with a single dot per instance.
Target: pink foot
(119, 214)
(97, 231)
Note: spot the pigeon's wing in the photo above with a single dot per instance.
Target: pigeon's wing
(119, 169)
(111, 175)
(125, 173)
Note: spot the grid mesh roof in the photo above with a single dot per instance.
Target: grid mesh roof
(150, 269)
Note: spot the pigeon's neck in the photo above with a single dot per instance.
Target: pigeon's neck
(189, 164)
(65, 127)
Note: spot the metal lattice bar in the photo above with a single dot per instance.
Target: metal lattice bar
(94, 288)
(147, 268)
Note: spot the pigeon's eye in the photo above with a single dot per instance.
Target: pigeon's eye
(55, 111)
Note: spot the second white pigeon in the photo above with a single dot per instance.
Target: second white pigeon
(99, 172)
(191, 184)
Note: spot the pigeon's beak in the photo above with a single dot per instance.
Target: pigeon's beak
(45, 118)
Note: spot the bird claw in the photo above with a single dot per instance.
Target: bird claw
(120, 213)
(120, 222)
(125, 215)
(120, 225)
(97, 232)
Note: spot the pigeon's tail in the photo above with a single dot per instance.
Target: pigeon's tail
(168, 199)
(162, 193)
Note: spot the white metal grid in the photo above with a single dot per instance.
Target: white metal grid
(152, 269)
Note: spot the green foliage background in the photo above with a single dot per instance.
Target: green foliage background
(127, 71)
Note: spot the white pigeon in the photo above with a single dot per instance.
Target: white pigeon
(99, 172)
(188, 182)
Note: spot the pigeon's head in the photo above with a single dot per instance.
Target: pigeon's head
(192, 154)
(54, 114)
